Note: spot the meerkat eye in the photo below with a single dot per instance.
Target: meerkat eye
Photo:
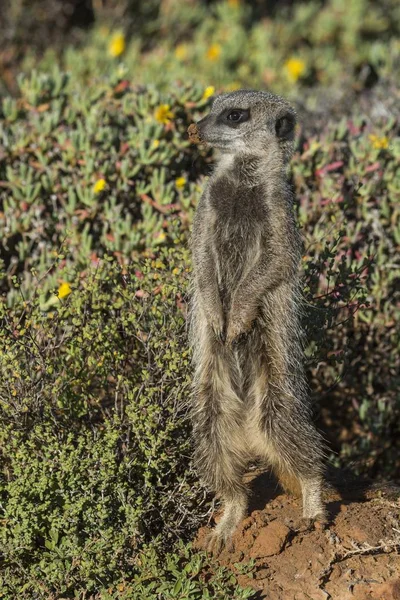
(285, 126)
(238, 116)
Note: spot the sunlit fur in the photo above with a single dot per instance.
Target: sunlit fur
(249, 392)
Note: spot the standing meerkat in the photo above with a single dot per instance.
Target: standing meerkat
(249, 391)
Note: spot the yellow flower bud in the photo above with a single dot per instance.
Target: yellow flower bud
(295, 68)
(214, 52)
(64, 290)
(99, 186)
(117, 45)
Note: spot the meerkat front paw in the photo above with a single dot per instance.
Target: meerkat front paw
(239, 324)
(219, 333)
(217, 323)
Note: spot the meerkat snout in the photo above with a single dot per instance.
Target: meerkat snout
(249, 121)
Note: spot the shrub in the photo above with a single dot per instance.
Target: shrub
(94, 438)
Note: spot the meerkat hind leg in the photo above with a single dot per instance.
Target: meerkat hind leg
(221, 451)
(289, 440)
(308, 489)
(301, 482)
(291, 445)
(313, 507)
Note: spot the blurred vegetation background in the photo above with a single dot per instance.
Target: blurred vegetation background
(232, 43)
(98, 185)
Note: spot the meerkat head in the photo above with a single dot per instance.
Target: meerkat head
(248, 121)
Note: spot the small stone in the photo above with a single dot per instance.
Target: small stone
(270, 540)
(247, 523)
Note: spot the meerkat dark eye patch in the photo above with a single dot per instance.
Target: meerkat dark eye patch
(238, 116)
(284, 126)
(233, 117)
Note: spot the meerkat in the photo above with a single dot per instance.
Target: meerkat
(249, 391)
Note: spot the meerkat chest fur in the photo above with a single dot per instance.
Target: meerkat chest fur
(245, 218)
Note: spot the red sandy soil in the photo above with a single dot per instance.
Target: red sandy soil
(356, 556)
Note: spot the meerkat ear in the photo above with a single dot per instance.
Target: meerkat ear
(284, 126)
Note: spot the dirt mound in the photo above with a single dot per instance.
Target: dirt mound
(354, 557)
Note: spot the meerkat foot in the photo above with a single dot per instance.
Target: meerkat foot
(304, 524)
(217, 541)
(308, 524)
(221, 535)
(300, 524)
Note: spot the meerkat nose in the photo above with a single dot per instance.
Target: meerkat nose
(194, 134)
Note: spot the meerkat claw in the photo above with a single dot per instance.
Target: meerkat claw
(220, 336)
(216, 542)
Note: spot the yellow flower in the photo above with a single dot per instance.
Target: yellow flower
(295, 68)
(99, 186)
(180, 182)
(181, 51)
(64, 290)
(208, 92)
(214, 52)
(163, 113)
(233, 3)
(379, 142)
(155, 144)
(117, 45)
